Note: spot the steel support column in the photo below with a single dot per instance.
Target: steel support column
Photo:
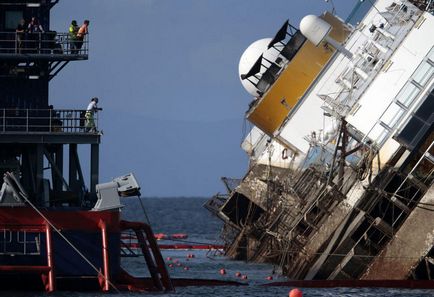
(39, 170)
(57, 180)
(73, 167)
(94, 167)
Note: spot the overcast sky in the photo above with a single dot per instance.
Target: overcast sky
(166, 73)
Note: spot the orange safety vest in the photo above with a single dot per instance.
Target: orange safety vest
(82, 31)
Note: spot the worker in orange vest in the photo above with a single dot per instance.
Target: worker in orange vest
(82, 32)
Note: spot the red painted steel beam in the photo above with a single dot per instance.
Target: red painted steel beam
(27, 228)
(50, 262)
(159, 261)
(165, 278)
(23, 218)
(24, 268)
(105, 254)
(152, 267)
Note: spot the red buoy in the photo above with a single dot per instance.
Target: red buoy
(170, 265)
(295, 293)
(245, 277)
(169, 259)
(186, 268)
(160, 236)
(269, 278)
(237, 274)
(222, 271)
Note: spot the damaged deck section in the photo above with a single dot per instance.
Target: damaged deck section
(410, 249)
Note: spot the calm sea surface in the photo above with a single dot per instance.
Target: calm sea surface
(186, 215)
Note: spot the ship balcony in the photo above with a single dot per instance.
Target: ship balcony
(49, 46)
(280, 51)
(48, 126)
(287, 76)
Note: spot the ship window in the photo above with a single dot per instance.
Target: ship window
(12, 19)
(392, 115)
(411, 133)
(379, 133)
(418, 124)
(426, 110)
(423, 73)
(407, 94)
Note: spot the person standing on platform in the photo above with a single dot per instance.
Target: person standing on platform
(82, 32)
(92, 108)
(35, 26)
(35, 29)
(73, 31)
(21, 34)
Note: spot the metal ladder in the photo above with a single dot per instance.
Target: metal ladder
(151, 253)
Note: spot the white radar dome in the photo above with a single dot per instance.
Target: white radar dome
(248, 59)
(314, 28)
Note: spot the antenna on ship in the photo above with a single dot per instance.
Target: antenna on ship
(333, 6)
(316, 30)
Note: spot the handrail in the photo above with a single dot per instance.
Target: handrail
(284, 50)
(20, 245)
(48, 121)
(45, 43)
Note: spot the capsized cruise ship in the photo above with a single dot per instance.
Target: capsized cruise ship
(339, 185)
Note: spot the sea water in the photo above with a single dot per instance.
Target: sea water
(186, 215)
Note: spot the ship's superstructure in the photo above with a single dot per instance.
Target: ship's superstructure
(57, 229)
(339, 185)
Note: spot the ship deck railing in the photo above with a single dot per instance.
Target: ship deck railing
(66, 121)
(44, 45)
(369, 58)
(20, 241)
